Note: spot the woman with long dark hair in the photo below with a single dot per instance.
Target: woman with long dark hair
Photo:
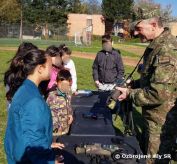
(22, 49)
(28, 135)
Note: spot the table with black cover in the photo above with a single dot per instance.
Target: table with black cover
(95, 130)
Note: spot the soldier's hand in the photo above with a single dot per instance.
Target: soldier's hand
(97, 83)
(124, 93)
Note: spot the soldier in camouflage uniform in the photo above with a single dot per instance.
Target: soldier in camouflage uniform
(158, 85)
(59, 101)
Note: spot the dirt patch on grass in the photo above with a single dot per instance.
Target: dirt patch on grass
(8, 49)
(131, 48)
(126, 60)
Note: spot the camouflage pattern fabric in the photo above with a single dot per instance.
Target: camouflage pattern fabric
(168, 136)
(60, 107)
(157, 94)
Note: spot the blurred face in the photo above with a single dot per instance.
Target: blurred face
(145, 31)
(57, 61)
(64, 86)
(107, 46)
(65, 58)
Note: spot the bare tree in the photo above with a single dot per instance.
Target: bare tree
(94, 7)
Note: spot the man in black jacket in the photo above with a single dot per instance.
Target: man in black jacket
(108, 66)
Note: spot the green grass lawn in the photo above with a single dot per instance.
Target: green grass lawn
(84, 73)
(4, 57)
(93, 48)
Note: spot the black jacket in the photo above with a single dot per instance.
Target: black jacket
(108, 67)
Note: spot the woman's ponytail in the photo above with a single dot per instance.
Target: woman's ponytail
(21, 66)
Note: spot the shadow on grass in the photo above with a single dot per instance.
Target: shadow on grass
(139, 125)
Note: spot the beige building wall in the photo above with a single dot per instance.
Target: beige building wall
(173, 27)
(78, 23)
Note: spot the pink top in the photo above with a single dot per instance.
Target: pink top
(53, 77)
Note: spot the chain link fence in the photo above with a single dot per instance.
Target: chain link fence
(45, 33)
(34, 32)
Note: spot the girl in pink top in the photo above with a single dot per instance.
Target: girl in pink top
(53, 51)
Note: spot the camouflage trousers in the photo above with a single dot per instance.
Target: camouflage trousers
(159, 138)
(168, 137)
(151, 140)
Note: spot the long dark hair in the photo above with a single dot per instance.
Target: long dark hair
(21, 66)
(23, 48)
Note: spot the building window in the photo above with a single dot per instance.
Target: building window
(89, 22)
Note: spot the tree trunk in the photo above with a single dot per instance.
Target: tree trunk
(108, 26)
(46, 31)
(21, 26)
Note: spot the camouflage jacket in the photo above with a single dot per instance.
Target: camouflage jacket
(60, 108)
(159, 75)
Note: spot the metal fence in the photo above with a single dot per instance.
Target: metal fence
(38, 34)
(49, 32)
